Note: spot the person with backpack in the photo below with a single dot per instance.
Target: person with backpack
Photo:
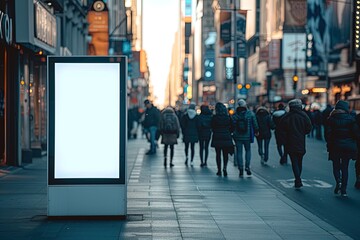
(279, 135)
(204, 130)
(221, 136)
(266, 124)
(189, 125)
(295, 125)
(245, 127)
(342, 135)
(170, 130)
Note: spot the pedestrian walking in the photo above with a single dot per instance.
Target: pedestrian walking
(204, 131)
(341, 143)
(307, 109)
(221, 126)
(245, 127)
(133, 122)
(266, 124)
(151, 124)
(279, 134)
(296, 124)
(317, 120)
(170, 130)
(189, 125)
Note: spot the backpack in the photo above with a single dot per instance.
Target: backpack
(169, 124)
(242, 122)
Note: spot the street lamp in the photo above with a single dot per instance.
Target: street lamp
(268, 84)
(234, 47)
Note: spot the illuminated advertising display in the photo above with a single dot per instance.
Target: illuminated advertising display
(87, 135)
(84, 121)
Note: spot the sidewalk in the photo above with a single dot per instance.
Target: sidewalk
(164, 203)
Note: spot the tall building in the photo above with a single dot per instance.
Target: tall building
(204, 64)
(125, 36)
(174, 86)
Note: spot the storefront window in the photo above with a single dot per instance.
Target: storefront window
(38, 104)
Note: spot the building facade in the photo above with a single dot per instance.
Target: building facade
(33, 30)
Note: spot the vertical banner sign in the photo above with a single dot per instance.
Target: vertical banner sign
(274, 54)
(98, 19)
(225, 34)
(328, 33)
(87, 136)
(188, 8)
(293, 54)
(295, 13)
(241, 33)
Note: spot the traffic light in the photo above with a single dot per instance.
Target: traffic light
(295, 79)
(209, 69)
(239, 86)
(357, 29)
(247, 86)
(209, 65)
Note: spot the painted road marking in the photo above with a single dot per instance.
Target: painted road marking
(289, 183)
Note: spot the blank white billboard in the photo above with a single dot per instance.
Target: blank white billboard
(87, 120)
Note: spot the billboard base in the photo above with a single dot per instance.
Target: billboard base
(87, 200)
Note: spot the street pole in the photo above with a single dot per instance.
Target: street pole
(234, 51)
(327, 78)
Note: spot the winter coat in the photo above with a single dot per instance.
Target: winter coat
(295, 125)
(204, 124)
(189, 126)
(169, 138)
(252, 125)
(265, 123)
(221, 131)
(152, 117)
(317, 117)
(342, 133)
(279, 135)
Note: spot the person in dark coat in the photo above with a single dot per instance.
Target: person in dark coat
(151, 124)
(189, 125)
(204, 130)
(221, 136)
(279, 135)
(169, 138)
(317, 120)
(296, 124)
(341, 143)
(266, 124)
(244, 139)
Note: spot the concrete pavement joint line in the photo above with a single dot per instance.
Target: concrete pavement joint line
(305, 213)
(203, 197)
(173, 205)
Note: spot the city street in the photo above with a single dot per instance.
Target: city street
(183, 202)
(317, 194)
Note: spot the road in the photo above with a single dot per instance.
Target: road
(317, 194)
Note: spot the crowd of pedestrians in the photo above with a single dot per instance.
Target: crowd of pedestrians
(233, 134)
